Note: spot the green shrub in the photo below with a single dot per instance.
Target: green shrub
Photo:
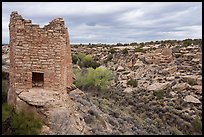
(98, 78)
(24, 123)
(175, 131)
(112, 51)
(125, 51)
(6, 111)
(74, 59)
(109, 58)
(5, 86)
(187, 42)
(132, 82)
(142, 44)
(80, 55)
(159, 94)
(94, 64)
(197, 124)
(192, 82)
(86, 61)
(138, 49)
(162, 45)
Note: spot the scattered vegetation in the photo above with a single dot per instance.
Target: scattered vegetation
(133, 44)
(142, 44)
(187, 42)
(109, 58)
(4, 90)
(197, 124)
(138, 49)
(162, 45)
(159, 94)
(6, 111)
(192, 82)
(21, 123)
(84, 60)
(175, 131)
(132, 82)
(162, 42)
(125, 51)
(74, 59)
(98, 78)
(24, 123)
(112, 51)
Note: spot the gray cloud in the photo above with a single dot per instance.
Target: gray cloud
(113, 22)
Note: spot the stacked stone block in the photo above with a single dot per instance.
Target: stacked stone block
(43, 50)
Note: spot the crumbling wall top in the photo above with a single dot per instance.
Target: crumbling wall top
(55, 24)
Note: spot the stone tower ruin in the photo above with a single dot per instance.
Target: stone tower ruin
(39, 57)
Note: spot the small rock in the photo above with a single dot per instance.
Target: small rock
(120, 68)
(128, 90)
(170, 78)
(45, 130)
(180, 86)
(190, 98)
(139, 63)
(89, 119)
(173, 93)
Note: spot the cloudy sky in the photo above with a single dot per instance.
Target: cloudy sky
(113, 22)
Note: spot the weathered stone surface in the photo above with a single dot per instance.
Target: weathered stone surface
(190, 77)
(167, 52)
(128, 90)
(180, 86)
(45, 130)
(192, 99)
(5, 69)
(170, 70)
(36, 96)
(138, 63)
(197, 88)
(158, 86)
(172, 93)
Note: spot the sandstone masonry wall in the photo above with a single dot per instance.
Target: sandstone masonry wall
(43, 50)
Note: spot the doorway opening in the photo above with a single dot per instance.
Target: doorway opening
(37, 79)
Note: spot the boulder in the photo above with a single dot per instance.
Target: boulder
(36, 97)
(197, 88)
(148, 59)
(158, 86)
(76, 93)
(192, 99)
(167, 52)
(138, 63)
(180, 86)
(189, 77)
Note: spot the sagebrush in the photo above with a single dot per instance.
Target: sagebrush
(99, 78)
